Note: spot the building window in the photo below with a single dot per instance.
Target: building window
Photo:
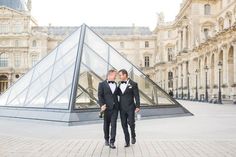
(16, 43)
(169, 54)
(122, 44)
(146, 44)
(169, 34)
(34, 59)
(207, 9)
(170, 79)
(123, 54)
(206, 33)
(3, 60)
(146, 61)
(4, 28)
(147, 85)
(17, 60)
(3, 83)
(34, 43)
(18, 28)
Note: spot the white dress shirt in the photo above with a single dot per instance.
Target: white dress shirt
(112, 87)
(123, 86)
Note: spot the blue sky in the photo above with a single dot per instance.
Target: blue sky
(103, 12)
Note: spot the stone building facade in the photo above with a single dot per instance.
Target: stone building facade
(182, 55)
(191, 47)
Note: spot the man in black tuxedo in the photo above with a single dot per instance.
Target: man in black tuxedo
(128, 92)
(108, 100)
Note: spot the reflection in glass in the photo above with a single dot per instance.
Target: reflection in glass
(49, 83)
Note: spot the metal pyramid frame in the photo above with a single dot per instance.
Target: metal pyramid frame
(62, 87)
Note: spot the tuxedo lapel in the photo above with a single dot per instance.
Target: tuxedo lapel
(107, 85)
(126, 89)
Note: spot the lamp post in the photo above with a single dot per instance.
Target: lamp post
(188, 86)
(206, 70)
(182, 92)
(219, 93)
(196, 97)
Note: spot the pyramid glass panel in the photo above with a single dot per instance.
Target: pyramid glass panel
(47, 80)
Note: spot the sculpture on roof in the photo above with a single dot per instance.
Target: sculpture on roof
(160, 18)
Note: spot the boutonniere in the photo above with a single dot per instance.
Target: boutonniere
(129, 85)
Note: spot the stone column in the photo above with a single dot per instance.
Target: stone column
(216, 73)
(234, 59)
(184, 73)
(179, 41)
(179, 77)
(184, 37)
(225, 64)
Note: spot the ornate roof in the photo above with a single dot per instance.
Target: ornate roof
(54, 30)
(19, 5)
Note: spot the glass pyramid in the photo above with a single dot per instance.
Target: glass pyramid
(68, 77)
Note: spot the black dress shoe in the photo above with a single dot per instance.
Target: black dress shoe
(127, 145)
(133, 141)
(106, 143)
(112, 146)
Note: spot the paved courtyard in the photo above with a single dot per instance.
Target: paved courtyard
(211, 132)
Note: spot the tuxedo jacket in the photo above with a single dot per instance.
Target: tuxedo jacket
(105, 96)
(129, 100)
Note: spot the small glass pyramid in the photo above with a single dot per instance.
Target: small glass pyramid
(68, 77)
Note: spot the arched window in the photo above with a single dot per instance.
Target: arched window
(3, 60)
(206, 33)
(3, 83)
(207, 9)
(34, 43)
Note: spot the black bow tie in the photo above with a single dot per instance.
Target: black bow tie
(123, 82)
(111, 82)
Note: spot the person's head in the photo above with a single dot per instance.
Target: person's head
(111, 75)
(123, 75)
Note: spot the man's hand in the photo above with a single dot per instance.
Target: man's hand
(103, 107)
(137, 110)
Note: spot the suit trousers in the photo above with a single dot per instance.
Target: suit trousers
(128, 117)
(109, 125)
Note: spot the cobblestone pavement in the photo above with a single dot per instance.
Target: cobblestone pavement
(211, 132)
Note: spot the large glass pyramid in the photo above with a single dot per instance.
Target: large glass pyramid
(67, 78)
